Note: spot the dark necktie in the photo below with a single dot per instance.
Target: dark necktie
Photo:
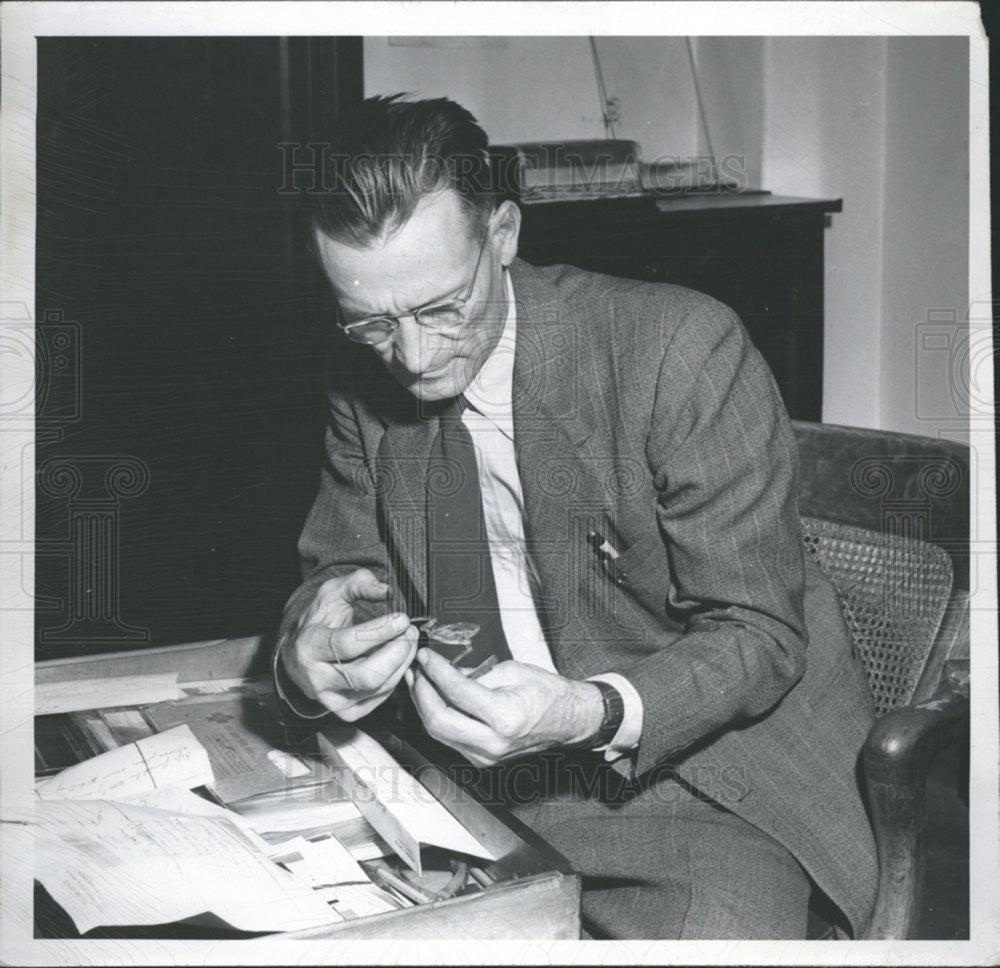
(459, 569)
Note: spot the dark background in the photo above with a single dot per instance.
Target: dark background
(182, 324)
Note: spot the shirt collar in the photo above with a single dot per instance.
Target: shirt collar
(491, 391)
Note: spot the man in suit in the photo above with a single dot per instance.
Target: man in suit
(681, 692)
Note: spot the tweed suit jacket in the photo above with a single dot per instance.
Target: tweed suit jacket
(644, 412)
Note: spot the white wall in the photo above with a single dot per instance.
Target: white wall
(883, 124)
(925, 267)
(823, 136)
(880, 122)
(539, 88)
(731, 79)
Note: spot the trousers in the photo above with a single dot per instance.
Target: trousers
(673, 865)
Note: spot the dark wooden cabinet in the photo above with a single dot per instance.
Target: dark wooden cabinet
(759, 253)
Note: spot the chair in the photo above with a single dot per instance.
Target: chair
(886, 515)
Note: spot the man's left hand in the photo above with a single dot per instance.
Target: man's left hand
(513, 710)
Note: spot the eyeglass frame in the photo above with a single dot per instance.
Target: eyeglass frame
(457, 303)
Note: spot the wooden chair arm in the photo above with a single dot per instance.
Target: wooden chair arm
(896, 758)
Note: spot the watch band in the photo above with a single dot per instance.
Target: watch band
(614, 714)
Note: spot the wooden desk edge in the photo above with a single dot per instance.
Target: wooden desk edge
(540, 907)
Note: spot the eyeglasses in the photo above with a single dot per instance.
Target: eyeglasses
(443, 315)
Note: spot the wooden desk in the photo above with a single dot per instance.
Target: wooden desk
(536, 895)
(759, 253)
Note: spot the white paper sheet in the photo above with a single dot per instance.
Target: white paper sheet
(298, 815)
(173, 759)
(321, 862)
(403, 811)
(68, 697)
(115, 864)
(360, 900)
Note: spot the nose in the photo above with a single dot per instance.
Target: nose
(409, 344)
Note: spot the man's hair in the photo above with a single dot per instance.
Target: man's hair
(391, 152)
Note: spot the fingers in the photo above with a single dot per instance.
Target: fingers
(361, 584)
(345, 644)
(357, 663)
(445, 723)
(380, 670)
(353, 689)
(332, 603)
(457, 689)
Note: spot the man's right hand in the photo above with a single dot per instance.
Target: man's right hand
(350, 669)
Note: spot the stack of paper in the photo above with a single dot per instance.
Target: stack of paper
(121, 839)
(77, 694)
(118, 863)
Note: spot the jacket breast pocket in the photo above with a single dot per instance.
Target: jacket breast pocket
(641, 574)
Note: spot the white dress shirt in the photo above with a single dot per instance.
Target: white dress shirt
(490, 421)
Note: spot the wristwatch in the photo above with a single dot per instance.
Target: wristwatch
(614, 714)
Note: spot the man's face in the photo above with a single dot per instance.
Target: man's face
(432, 258)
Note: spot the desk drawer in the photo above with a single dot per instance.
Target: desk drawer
(534, 894)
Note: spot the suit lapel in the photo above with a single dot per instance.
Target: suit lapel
(563, 476)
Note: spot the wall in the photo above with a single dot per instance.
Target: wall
(925, 255)
(823, 135)
(535, 88)
(881, 123)
(731, 79)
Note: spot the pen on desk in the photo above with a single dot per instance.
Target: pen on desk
(384, 877)
(480, 876)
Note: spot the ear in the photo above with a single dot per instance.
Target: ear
(506, 230)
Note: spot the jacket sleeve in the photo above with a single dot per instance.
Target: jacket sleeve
(340, 535)
(722, 455)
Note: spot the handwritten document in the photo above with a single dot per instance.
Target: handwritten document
(122, 864)
(77, 694)
(403, 811)
(174, 759)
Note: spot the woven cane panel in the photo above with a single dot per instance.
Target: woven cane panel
(893, 592)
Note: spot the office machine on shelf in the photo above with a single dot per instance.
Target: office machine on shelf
(555, 172)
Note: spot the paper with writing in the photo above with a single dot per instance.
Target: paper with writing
(78, 694)
(120, 864)
(186, 802)
(404, 812)
(174, 759)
